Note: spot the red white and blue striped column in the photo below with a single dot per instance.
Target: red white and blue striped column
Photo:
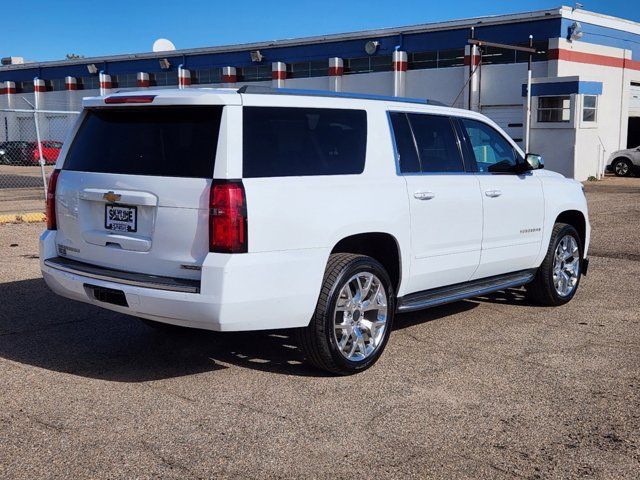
(70, 83)
(399, 73)
(142, 79)
(105, 83)
(278, 74)
(39, 87)
(8, 88)
(184, 77)
(336, 70)
(229, 76)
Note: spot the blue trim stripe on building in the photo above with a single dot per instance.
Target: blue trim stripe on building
(563, 88)
(455, 38)
(609, 37)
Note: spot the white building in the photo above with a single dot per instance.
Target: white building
(585, 87)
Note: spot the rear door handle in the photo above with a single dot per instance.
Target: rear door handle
(424, 195)
(493, 193)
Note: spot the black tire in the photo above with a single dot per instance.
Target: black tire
(542, 289)
(317, 341)
(622, 167)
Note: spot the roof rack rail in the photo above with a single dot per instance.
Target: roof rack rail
(262, 90)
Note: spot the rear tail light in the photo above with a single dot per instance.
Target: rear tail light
(51, 201)
(227, 217)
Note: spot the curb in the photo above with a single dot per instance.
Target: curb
(33, 217)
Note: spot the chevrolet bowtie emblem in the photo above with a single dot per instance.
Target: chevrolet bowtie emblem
(111, 197)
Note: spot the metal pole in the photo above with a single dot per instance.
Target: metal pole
(528, 119)
(39, 140)
(479, 79)
(471, 61)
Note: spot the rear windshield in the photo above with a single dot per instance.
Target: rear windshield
(159, 141)
(282, 142)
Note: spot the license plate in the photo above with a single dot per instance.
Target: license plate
(120, 218)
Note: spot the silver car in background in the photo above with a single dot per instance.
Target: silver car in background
(625, 163)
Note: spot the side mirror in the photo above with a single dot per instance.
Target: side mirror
(534, 161)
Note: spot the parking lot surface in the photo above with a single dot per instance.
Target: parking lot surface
(487, 388)
(22, 188)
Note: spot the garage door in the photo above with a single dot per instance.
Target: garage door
(510, 118)
(634, 100)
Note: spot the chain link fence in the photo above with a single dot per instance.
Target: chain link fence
(30, 142)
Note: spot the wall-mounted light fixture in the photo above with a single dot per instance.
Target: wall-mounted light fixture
(575, 31)
(256, 56)
(92, 68)
(371, 47)
(164, 64)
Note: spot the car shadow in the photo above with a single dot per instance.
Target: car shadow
(409, 319)
(511, 296)
(41, 329)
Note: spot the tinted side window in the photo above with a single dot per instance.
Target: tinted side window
(492, 152)
(282, 142)
(160, 141)
(406, 147)
(437, 143)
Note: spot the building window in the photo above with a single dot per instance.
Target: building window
(206, 75)
(451, 58)
(58, 84)
(554, 109)
(357, 65)
(128, 80)
(314, 68)
(89, 83)
(254, 73)
(590, 108)
(423, 60)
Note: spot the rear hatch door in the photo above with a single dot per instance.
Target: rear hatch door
(134, 188)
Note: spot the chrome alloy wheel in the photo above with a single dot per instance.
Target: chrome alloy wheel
(360, 316)
(622, 168)
(566, 266)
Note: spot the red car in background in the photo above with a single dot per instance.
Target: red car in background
(27, 154)
(50, 151)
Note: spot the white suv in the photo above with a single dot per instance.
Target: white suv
(328, 213)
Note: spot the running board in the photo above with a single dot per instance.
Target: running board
(460, 291)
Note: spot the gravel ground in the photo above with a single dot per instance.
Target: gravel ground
(488, 388)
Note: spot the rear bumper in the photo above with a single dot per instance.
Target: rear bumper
(94, 272)
(254, 291)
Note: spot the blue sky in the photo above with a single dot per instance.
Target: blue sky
(47, 30)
